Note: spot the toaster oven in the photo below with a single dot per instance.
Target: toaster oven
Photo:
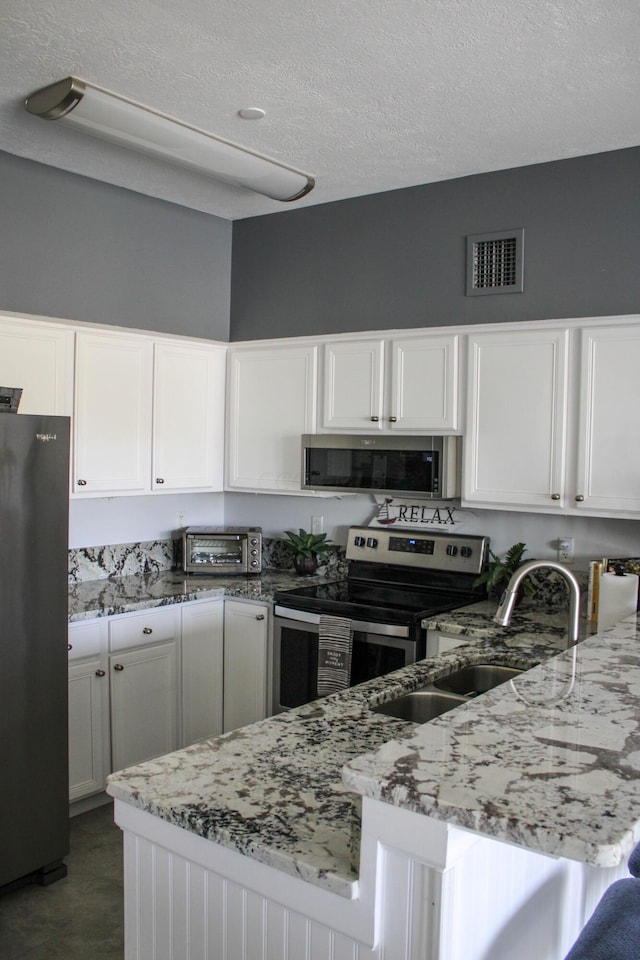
(222, 550)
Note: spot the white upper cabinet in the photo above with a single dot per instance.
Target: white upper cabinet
(608, 453)
(404, 384)
(39, 358)
(112, 449)
(514, 452)
(149, 415)
(271, 402)
(188, 416)
(353, 385)
(552, 420)
(424, 384)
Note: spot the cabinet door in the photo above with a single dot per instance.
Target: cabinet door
(424, 385)
(39, 358)
(188, 411)
(88, 709)
(516, 424)
(353, 385)
(245, 663)
(608, 475)
(271, 403)
(113, 414)
(144, 703)
(202, 670)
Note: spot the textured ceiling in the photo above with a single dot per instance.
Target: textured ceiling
(366, 95)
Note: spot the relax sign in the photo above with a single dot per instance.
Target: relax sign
(394, 511)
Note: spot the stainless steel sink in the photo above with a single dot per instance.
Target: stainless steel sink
(419, 706)
(446, 694)
(476, 679)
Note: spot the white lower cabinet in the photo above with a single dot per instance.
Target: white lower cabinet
(89, 739)
(143, 680)
(146, 683)
(246, 647)
(202, 669)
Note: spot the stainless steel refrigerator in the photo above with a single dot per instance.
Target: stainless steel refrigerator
(34, 508)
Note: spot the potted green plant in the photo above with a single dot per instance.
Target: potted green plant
(308, 549)
(499, 570)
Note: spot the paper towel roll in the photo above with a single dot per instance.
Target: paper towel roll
(618, 598)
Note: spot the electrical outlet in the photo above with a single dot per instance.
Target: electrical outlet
(566, 549)
(317, 524)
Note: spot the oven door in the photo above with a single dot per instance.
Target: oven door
(378, 648)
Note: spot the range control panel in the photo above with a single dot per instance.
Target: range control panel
(421, 549)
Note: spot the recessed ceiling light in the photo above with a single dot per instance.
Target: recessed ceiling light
(251, 113)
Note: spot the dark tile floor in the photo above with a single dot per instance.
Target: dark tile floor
(80, 917)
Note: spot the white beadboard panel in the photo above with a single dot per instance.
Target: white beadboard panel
(179, 910)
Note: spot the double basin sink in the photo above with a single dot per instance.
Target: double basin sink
(448, 692)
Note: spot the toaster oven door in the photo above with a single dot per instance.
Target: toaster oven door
(225, 553)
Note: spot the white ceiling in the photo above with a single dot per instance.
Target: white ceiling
(366, 95)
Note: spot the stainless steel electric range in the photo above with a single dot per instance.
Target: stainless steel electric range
(396, 578)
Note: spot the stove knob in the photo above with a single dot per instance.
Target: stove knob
(254, 553)
(359, 541)
(466, 552)
(372, 542)
(451, 550)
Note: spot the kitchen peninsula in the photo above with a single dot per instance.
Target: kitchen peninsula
(487, 833)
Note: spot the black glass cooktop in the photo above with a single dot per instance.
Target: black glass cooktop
(382, 603)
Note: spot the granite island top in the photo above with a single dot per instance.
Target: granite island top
(274, 790)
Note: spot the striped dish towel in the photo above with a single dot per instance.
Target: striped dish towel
(335, 643)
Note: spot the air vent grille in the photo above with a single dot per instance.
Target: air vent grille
(494, 263)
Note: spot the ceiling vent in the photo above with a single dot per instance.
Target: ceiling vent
(495, 263)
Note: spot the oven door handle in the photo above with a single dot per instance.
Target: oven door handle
(362, 626)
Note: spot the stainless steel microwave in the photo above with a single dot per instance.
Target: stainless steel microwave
(221, 550)
(424, 467)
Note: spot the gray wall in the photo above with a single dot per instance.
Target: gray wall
(79, 249)
(397, 259)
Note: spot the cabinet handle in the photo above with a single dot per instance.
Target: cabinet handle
(260, 616)
(101, 673)
(118, 666)
(82, 483)
(147, 630)
(555, 496)
(374, 419)
(579, 498)
(69, 646)
(159, 480)
(393, 419)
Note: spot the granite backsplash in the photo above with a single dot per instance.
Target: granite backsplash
(154, 556)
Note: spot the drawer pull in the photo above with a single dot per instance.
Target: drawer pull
(82, 483)
(69, 646)
(555, 496)
(159, 480)
(374, 419)
(393, 419)
(118, 667)
(101, 673)
(147, 630)
(579, 498)
(260, 616)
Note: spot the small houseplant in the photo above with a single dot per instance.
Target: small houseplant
(308, 549)
(499, 570)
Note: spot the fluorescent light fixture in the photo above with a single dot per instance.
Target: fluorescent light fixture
(112, 117)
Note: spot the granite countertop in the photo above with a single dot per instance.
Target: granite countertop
(108, 597)
(274, 790)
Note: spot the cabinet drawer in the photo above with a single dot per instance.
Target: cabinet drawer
(87, 639)
(137, 629)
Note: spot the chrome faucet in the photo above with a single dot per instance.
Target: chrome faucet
(508, 599)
